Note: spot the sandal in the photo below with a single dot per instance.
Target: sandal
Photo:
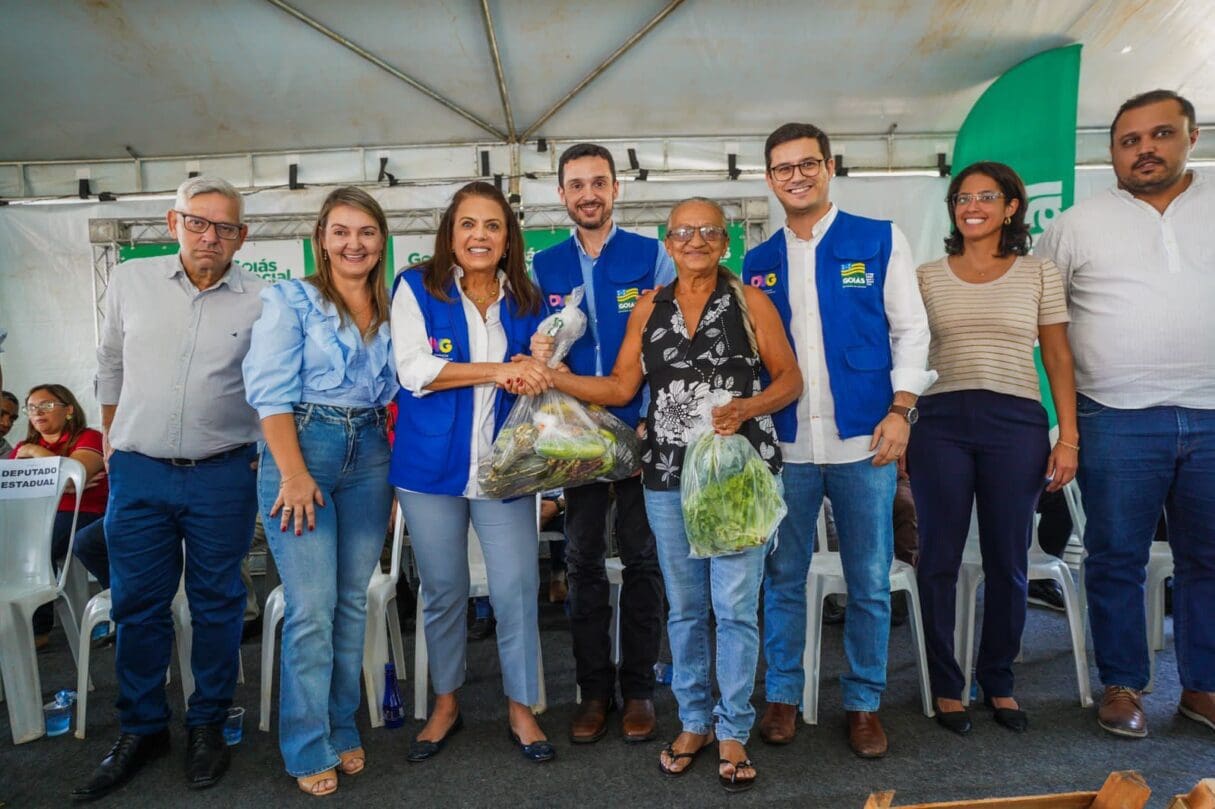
(690, 755)
(316, 784)
(732, 782)
(353, 761)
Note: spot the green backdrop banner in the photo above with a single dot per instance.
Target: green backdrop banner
(1027, 119)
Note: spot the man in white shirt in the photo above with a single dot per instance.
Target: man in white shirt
(846, 289)
(1138, 264)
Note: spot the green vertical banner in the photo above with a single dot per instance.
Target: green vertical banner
(1027, 119)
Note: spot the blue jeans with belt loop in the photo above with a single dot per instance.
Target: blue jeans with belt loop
(1133, 464)
(729, 586)
(325, 573)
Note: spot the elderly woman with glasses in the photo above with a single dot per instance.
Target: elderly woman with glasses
(58, 427)
(706, 332)
(982, 435)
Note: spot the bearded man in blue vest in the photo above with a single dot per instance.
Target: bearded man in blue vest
(846, 289)
(614, 267)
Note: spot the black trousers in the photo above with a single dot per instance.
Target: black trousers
(586, 530)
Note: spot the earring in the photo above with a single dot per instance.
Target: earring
(1008, 220)
(325, 253)
(69, 416)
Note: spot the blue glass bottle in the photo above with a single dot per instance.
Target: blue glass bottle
(394, 713)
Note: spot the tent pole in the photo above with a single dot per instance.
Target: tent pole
(380, 63)
(493, 52)
(594, 74)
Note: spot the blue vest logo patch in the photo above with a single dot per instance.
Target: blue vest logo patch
(626, 299)
(854, 275)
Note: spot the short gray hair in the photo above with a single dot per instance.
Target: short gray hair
(209, 185)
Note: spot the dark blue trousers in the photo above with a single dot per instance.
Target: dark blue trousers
(990, 450)
(154, 508)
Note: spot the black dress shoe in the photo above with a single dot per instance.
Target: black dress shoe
(207, 756)
(1014, 719)
(957, 721)
(125, 758)
(833, 610)
(421, 749)
(538, 752)
(482, 628)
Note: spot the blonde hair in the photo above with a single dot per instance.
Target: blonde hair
(323, 280)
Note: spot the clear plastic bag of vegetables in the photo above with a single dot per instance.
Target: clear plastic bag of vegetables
(552, 440)
(731, 501)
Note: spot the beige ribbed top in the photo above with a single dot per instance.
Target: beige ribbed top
(983, 334)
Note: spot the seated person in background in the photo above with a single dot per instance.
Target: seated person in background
(58, 427)
(9, 408)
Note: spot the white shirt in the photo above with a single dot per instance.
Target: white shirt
(417, 366)
(170, 359)
(1141, 292)
(818, 440)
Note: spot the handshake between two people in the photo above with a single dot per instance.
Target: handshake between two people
(531, 375)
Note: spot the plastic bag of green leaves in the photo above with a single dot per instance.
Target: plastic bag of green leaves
(731, 501)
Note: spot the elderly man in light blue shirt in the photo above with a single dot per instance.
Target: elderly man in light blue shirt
(180, 445)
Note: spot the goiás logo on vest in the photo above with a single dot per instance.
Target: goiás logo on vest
(853, 275)
(626, 299)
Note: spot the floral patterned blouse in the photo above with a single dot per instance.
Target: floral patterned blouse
(682, 369)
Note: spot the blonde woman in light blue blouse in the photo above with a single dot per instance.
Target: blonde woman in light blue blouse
(320, 372)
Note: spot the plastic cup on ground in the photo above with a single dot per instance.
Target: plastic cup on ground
(234, 726)
(58, 714)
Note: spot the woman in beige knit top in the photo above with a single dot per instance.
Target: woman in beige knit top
(982, 433)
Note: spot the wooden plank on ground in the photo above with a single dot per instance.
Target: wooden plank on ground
(1067, 800)
(1123, 790)
(880, 800)
(1202, 796)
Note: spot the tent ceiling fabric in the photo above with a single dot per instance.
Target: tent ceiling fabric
(86, 79)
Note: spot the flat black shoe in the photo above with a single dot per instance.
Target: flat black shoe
(207, 756)
(482, 628)
(957, 721)
(128, 754)
(1014, 719)
(423, 749)
(538, 752)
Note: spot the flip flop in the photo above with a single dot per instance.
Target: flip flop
(690, 755)
(311, 784)
(731, 783)
(353, 761)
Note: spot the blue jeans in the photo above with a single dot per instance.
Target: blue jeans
(729, 585)
(862, 500)
(154, 507)
(438, 531)
(1133, 464)
(325, 574)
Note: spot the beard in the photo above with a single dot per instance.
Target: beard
(1155, 184)
(593, 221)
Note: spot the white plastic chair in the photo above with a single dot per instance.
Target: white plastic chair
(98, 611)
(478, 586)
(1041, 566)
(383, 628)
(826, 577)
(1159, 568)
(27, 581)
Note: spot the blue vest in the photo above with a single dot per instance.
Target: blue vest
(434, 432)
(622, 272)
(850, 274)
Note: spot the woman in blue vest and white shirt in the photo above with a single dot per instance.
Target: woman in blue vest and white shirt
(982, 434)
(461, 322)
(705, 332)
(319, 371)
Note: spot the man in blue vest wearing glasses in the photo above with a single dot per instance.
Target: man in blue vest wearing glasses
(846, 289)
(614, 267)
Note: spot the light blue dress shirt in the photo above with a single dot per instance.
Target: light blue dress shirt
(664, 275)
(302, 352)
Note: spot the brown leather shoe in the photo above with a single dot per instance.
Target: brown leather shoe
(865, 734)
(778, 724)
(1121, 712)
(590, 721)
(638, 721)
(1199, 706)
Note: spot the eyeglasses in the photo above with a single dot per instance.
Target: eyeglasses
(41, 407)
(710, 233)
(197, 224)
(985, 197)
(809, 167)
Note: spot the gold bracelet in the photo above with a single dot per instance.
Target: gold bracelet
(283, 482)
(1076, 447)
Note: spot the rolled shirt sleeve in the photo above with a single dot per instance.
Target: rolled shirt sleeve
(108, 382)
(417, 366)
(908, 320)
(272, 367)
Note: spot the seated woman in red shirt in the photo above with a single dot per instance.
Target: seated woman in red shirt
(58, 427)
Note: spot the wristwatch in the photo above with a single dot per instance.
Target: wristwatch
(912, 414)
